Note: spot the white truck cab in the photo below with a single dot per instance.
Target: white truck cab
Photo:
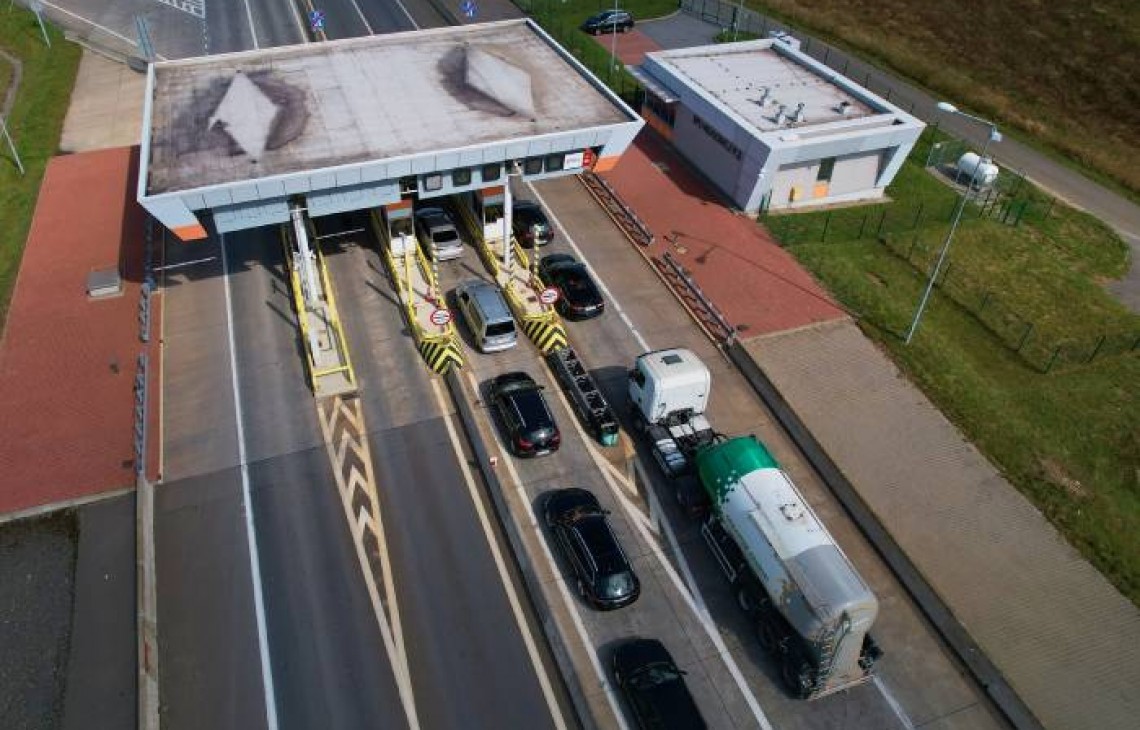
(669, 382)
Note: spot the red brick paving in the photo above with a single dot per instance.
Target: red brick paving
(756, 284)
(631, 46)
(67, 364)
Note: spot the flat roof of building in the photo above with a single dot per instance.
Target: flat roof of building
(755, 79)
(255, 114)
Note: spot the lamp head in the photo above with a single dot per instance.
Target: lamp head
(947, 107)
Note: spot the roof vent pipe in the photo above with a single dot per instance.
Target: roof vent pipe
(766, 95)
(781, 114)
(844, 108)
(799, 115)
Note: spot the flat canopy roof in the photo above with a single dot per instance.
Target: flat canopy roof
(755, 79)
(242, 116)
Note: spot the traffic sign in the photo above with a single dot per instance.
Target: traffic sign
(440, 317)
(468, 8)
(549, 295)
(317, 20)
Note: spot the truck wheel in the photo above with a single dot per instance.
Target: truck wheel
(746, 599)
(797, 675)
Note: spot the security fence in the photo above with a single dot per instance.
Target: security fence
(1040, 348)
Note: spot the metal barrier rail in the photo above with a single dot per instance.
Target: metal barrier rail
(713, 318)
(618, 211)
(148, 285)
(141, 401)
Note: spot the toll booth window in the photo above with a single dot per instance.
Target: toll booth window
(555, 162)
(402, 227)
(532, 166)
(826, 168)
(491, 172)
(433, 182)
(461, 177)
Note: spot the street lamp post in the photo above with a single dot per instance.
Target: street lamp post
(613, 41)
(993, 136)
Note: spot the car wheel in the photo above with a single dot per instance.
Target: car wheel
(797, 675)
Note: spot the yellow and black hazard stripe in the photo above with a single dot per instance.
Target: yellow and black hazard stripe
(548, 334)
(441, 354)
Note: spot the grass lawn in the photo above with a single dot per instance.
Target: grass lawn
(35, 124)
(1069, 440)
(1077, 97)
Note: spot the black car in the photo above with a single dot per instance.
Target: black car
(530, 426)
(602, 572)
(654, 687)
(608, 21)
(580, 297)
(530, 224)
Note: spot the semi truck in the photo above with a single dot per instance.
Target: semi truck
(669, 392)
(810, 608)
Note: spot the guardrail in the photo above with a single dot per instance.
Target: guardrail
(705, 310)
(633, 227)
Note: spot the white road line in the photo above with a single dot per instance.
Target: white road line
(252, 30)
(247, 507)
(687, 587)
(563, 591)
(894, 703)
(364, 20)
(500, 565)
(582, 257)
(415, 25)
(298, 20)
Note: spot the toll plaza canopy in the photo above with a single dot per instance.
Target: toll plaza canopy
(353, 123)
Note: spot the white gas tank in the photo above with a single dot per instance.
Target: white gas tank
(982, 170)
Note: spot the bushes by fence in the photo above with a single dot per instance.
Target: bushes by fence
(1041, 349)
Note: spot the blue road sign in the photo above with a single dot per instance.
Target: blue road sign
(317, 20)
(468, 8)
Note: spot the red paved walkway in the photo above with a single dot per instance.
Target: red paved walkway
(631, 46)
(67, 364)
(756, 284)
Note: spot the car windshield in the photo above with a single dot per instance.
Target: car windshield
(500, 328)
(576, 281)
(445, 236)
(654, 675)
(618, 585)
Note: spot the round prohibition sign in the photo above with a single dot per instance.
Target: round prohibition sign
(549, 295)
(440, 317)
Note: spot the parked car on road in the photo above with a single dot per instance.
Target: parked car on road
(530, 224)
(487, 315)
(531, 430)
(580, 296)
(602, 573)
(654, 687)
(608, 21)
(438, 236)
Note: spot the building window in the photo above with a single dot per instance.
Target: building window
(532, 166)
(554, 163)
(826, 168)
(433, 182)
(491, 172)
(461, 177)
(663, 110)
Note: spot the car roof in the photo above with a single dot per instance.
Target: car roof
(488, 297)
(603, 544)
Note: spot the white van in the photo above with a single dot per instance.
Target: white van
(487, 315)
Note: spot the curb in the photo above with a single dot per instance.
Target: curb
(983, 671)
(537, 603)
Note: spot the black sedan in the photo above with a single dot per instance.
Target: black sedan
(602, 572)
(531, 429)
(530, 224)
(608, 21)
(654, 687)
(580, 297)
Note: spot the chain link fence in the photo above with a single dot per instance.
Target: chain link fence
(1038, 346)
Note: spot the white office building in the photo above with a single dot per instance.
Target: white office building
(774, 128)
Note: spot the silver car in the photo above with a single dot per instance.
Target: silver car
(487, 315)
(438, 236)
